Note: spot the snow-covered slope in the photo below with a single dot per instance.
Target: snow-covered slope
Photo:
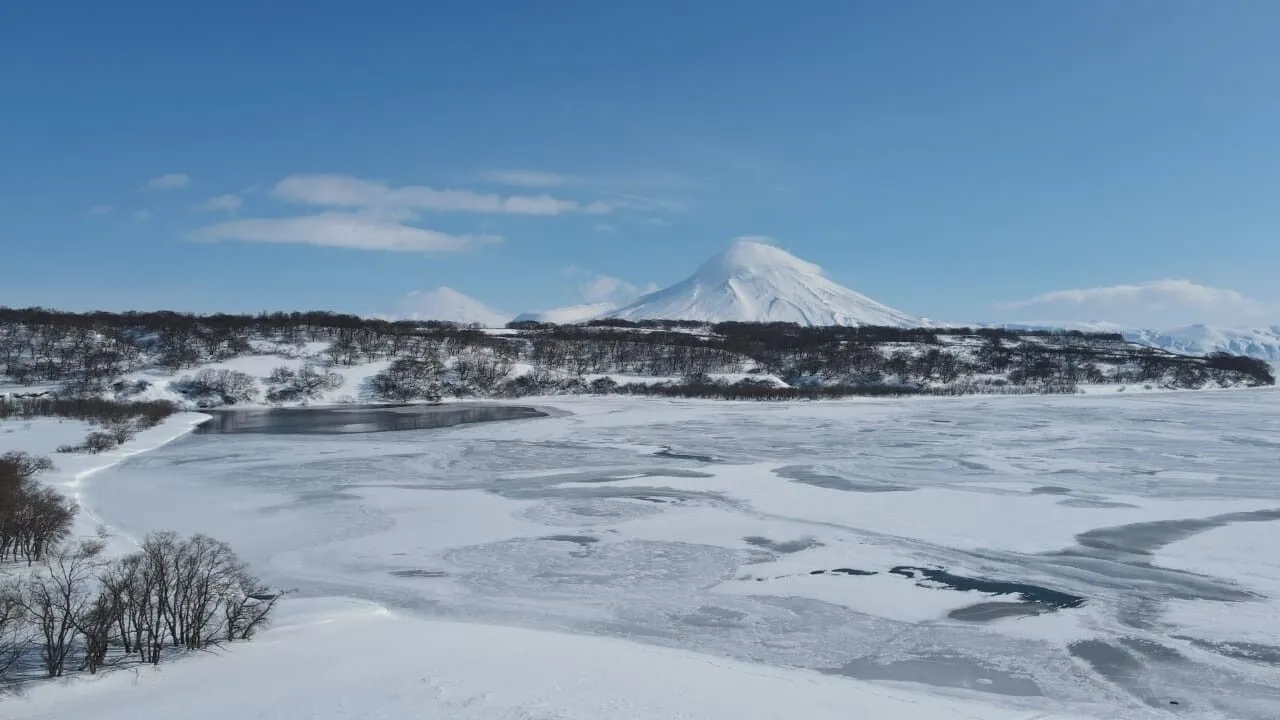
(1263, 343)
(445, 303)
(756, 282)
(568, 315)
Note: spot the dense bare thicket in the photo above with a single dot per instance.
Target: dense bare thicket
(214, 387)
(432, 359)
(306, 383)
(34, 519)
(419, 377)
(81, 611)
(93, 410)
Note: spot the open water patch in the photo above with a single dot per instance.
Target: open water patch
(672, 454)
(358, 418)
(784, 547)
(419, 573)
(1027, 592)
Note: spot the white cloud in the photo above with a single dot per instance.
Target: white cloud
(102, 209)
(341, 229)
(1157, 304)
(606, 288)
(598, 288)
(141, 216)
(529, 178)
(404, 202)
(632, 201)
(225, 203)
(172, 181)
(604, 228)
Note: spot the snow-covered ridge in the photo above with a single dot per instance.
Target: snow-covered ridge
(753, 281)
(1262, 343)
(569, 315)
(447, 304)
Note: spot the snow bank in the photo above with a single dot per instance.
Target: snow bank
(338, 659)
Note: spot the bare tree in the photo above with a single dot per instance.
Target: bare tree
(14, 631)
(55, 597)
(204, 576)
(247, 606)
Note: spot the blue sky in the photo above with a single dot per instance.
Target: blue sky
(956, 160)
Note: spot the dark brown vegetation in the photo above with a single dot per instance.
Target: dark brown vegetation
(88, 353)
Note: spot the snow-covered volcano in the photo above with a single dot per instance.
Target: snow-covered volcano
(753, 281)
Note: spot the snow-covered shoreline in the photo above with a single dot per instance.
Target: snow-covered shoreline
(71, 471)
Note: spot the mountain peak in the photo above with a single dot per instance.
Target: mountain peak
(752, 255)
(445, 303)
(755, 281)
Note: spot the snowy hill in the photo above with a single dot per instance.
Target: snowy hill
(568, 315)
(1262, 343)
(445, 303)
(756, 282)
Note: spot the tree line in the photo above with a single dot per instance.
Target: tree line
(87, 353)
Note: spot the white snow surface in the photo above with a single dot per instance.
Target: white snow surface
(570, 315)
(338, 660)
(658, 559)
(445, 303)
(753, 281)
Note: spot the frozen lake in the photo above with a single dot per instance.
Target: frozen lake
(1112, 552)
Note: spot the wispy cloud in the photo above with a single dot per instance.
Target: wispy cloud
(1156, 304)
(172, 181)
(530, 178)
(102, 209)
(351, 192)
(606, 288)
(600, 288)
(342, 229)
(632, 201)
(141, 216)
(229, 202)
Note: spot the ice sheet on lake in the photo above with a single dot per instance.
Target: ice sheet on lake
(491, 522)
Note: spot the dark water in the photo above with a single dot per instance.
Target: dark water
(358, 419)
(1028, 593)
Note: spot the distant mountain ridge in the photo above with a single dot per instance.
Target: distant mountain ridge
(1262, 343)
(569, 315)
(445, 303)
